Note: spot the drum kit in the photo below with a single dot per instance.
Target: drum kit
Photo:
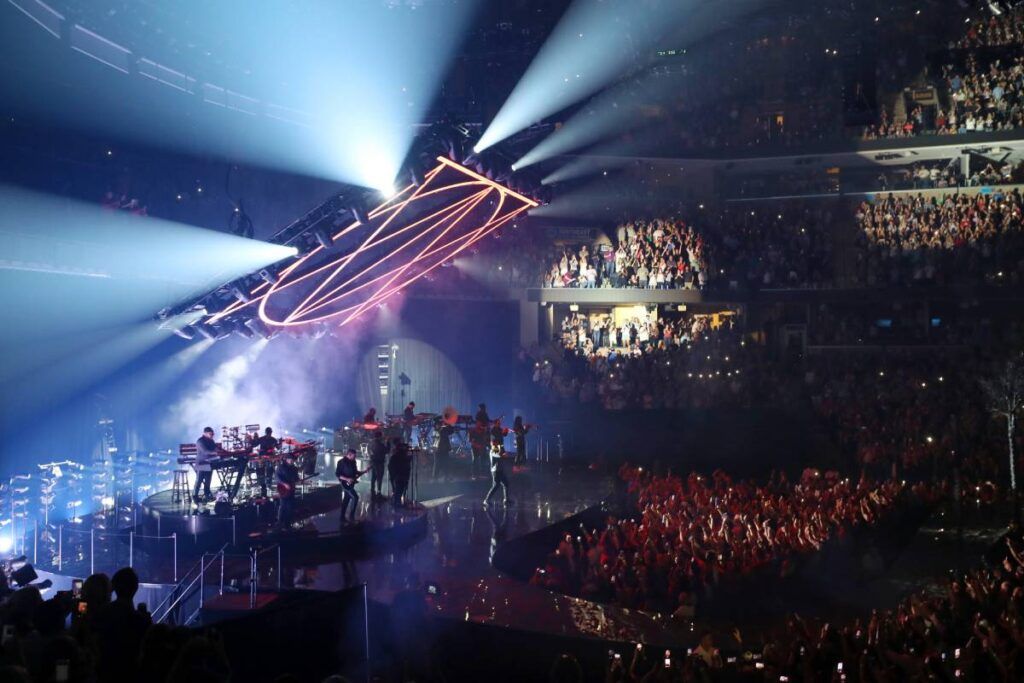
(358, 434)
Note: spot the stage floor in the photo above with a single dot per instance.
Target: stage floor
(456, 553)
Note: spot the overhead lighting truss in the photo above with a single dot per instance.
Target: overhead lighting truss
(404, 238)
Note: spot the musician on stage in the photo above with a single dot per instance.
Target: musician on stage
(287, 477)
(499, 478)
(444, 449)
(378, 463)
(408, 419)
(370, 417)
(267, 445)
(478, 442)
(498, 434)
(206, 453)
(399, 469)
(520, 430)
(347, 473)
(481, 414)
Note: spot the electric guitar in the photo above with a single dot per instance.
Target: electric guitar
(355, 478)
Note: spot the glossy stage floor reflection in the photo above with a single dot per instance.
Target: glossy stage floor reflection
(455, 556)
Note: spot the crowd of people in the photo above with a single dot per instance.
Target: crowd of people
(913, 423)
(983, 97)
(601, 334)
(920, 414)
(656, 254)
(968, 630)
(897, 240)
(994, 30)
(101, 635)
(644, 364)
(922, 176)
(981, 83)
(913, 239)
(687, 535)
(789, 246)
(888, 126)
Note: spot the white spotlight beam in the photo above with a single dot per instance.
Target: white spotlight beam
(150, 385)
(71, 375)
(592, 44)
(76, 266)
(332, 90)
(581, 166)
(619, 109)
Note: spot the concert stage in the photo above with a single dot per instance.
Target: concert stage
(317, 526)
(449, 542)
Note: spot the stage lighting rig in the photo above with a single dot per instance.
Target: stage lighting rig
(268, 276)
(240, 290)
(360, 213)
(323, 237)
(389, 247)
(207, 330)
(356, 248)
(188, 332)
(242, 330)
(259, 329)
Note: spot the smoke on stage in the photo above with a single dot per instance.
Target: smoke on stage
(284, 383)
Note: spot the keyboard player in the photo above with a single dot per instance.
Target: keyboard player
(206, 453)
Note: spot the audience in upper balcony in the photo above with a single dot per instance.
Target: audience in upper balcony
(765, 248)
(655, 254)
(983, 98)
(994, 30)
(983, 92)
(893, 240)
(958, 238)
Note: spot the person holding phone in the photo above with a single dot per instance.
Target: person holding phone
(707, 651)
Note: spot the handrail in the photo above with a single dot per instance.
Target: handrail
(181, 592)
(113, 534)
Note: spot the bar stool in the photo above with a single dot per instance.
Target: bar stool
(179, 490)
(252, 474)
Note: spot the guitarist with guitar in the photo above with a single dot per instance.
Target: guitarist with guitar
(348, 474)
(287, 477)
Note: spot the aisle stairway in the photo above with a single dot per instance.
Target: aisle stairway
(844, 254)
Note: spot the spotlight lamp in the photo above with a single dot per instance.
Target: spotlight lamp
(360, 213)
(240, 291)
(207, 330)
(323, 237)
(187, 332)
(258, 328)
(416, 175)
(243, 330)
(268, 276)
